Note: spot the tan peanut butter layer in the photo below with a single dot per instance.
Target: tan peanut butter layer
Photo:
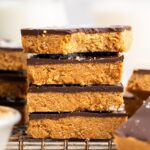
(12, 56)
(79, 70)
(74, 98)
(139, 83)
(74, 40)
(13, 84)
(79, 125)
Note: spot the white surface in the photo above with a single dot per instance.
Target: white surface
(17, 14)
(136, 14)
(7, 120)
(12, 18)
(5, 133)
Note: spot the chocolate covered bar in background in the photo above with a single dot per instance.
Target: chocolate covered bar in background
(132, 103)
(138, 90)
(12, 56)
(135, 133)
(76, 40)
(13, 77)
(13, 84)
(139, 83)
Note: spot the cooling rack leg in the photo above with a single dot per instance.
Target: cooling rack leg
(110, 145)
(42, 144)
(65, 144)
(20, 143)
(87, 145)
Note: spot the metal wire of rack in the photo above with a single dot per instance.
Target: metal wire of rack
(20, 141)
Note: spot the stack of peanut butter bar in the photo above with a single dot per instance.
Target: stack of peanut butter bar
(75, 76)
(13, 80)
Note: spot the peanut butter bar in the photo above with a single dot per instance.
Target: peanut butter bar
(139, 83)
(12, 56)
(76, 40)
(17, 103)
(74, 98)
(79, 125)
(83, 69)
(135, 134)
(13, 84)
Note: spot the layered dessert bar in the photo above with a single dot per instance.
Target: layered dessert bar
(76, 40)
(78, 125)
(83, 69)
(139, 83)
(16, 103)
(13, 84)
(74, 98)
(12, 56)
(135, 134)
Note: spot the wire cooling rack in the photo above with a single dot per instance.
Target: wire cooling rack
(20, 141)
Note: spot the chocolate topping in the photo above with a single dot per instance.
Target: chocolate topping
(75, 88)
(75, 58)
(7, 101)
(75, 114)
(29, 31)
(8, 49)
(13, 75)
(88, 55)
(142, 71)
(138, 126)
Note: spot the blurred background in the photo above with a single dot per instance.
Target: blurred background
(17, 14)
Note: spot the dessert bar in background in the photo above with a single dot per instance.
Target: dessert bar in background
(132, 103)
(11, 56)
(139, 83)
(75, 81)
(13, 84)
(13, 77)
(135, 133)
(138, 90)
(76, 40)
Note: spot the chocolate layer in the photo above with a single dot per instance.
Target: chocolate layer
(8, 45)
(73, 114)
(7, 101)
(13, 75)
(30, 31)
(8, 49)
(138, 126)
(75, 88)
(76, 58)
(142, 71)
(88, 55)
